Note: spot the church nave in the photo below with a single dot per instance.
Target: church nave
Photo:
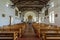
(29, 19)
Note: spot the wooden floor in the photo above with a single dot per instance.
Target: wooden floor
(29, 34)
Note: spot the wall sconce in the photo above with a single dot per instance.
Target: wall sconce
(56, 15)
(3, 15)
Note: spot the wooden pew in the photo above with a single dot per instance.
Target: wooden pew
(45, 31)
(36, 27)
(50, 32)
(4, 35)
(19, 28)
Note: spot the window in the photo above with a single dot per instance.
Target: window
(51, 17)
(39, 19)
(42, 19)
(51, 5)
(11, 19)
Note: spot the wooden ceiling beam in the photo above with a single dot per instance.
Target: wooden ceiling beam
(44, 1)
(24, 2)
(27, 8)
(30, 6)
(27, 2)
(41, 1)
(15, 1)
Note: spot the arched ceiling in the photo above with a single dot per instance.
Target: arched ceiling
(30, 4)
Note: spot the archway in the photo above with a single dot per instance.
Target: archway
(31, 14)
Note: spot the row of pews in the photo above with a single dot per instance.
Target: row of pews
(12, 32)
(43, 31)
(36, 27)
(46, 31)
(8, 35)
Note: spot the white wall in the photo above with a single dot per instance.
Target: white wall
(8, 12)
(56, 10)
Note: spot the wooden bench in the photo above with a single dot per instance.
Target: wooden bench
(16, 27)
(36, 27)
(47, 31)
(52, 36)
(50, 32)
(5, 35)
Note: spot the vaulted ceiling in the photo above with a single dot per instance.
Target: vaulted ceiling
(30, 4)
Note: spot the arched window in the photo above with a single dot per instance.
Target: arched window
(51, 5)
(39, 19)
(51, 17)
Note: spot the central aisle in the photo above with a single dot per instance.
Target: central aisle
(29, 34)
